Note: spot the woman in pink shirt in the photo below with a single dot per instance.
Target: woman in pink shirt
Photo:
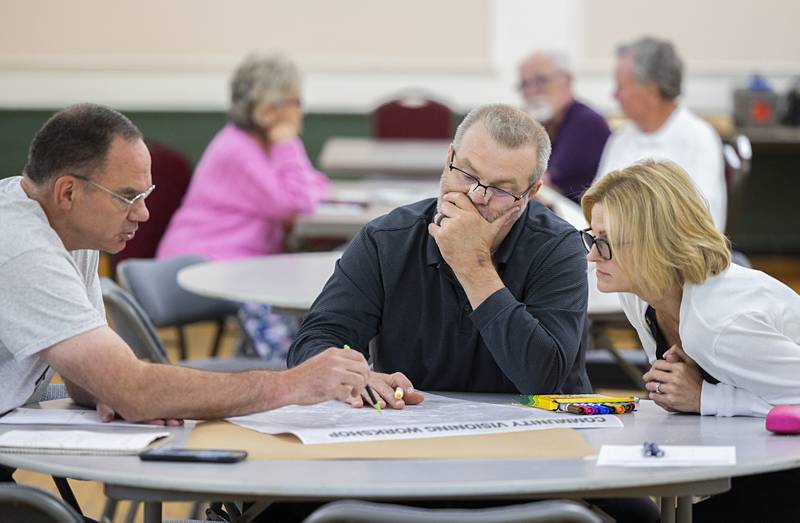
(255, 177)
(252, 181)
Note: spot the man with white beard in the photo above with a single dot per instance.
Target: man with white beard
(577, 132)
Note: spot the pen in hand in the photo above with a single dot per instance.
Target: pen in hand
(375, 402)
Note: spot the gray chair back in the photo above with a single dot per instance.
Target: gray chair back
(53, 391)
(367, 512)
(154, 284)
(132, 323)
(21, 503)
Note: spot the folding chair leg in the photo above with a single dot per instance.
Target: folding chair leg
(66, 493)
(109, 511)
(218, 337)
(131, 515)
(181, 342)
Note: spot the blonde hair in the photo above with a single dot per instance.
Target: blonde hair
(654, 210)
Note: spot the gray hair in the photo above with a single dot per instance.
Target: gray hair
(511, 128)
(260, 79)
(656, 61)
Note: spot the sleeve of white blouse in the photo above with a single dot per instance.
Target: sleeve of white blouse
(726, 400)
(757, 366)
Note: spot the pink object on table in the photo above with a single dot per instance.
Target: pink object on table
(784, 419)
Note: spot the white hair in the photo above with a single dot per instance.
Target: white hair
(560, 59)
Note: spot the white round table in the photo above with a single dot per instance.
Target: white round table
(757, 451)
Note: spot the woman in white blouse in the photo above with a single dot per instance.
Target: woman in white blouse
(722, 339)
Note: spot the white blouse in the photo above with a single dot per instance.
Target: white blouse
(743, 328)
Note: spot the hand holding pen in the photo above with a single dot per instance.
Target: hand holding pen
(388, 390)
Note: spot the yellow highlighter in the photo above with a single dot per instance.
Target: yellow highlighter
(375, 402)
(398, 393)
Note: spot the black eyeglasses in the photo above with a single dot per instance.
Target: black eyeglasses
(589, 241)
(476, 184)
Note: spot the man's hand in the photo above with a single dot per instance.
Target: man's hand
(464, 237)
(333, 374)
(384, 385)
(675, 383)
(107, 414)
(466, 241)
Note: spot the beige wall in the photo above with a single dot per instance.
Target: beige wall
(178, 54)
(449, 35)
(711, 34)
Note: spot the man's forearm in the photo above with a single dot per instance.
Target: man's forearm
(479, 283)
(169, 391)
(80, 395)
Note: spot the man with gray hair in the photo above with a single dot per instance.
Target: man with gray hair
(649, 74)
(479, 290)
(577, 132)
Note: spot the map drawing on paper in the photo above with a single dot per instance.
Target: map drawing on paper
(437, 416)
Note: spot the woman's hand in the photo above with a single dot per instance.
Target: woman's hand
(286, 123)
(675, 382)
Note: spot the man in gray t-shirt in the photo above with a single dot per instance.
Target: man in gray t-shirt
(83, 190)
(49, 294)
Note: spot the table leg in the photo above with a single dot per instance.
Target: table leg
(684, 511)
(152, 512)
(667, 509)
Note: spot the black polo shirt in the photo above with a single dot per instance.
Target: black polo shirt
(393, 283)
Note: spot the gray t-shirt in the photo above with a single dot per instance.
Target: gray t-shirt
(47, 294)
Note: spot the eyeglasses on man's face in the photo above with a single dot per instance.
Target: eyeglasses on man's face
(475, 184)
(128, 201)
(589, 241)
(539, 81)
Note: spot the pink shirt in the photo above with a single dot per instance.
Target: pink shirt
(240, 197)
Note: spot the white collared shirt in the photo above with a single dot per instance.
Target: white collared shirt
(685, 139)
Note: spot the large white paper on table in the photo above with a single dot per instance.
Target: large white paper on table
(674, 456)
(437, 416)
(51, 416)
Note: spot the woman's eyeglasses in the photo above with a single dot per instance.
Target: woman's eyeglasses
(589, 241)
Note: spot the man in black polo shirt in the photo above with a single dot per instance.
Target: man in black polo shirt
(480, 290)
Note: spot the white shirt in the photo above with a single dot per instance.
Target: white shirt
(743, 328)
(48, 294)
(685, 139)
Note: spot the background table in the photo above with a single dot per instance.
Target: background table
(757, 451)
(353, 203)
(291, 282)
(357, 157)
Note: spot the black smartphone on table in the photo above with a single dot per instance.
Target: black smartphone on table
(194, 455)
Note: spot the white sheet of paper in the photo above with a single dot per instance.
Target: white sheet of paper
(674, 456)
(78, 441)
(50, 416)
(437, 416)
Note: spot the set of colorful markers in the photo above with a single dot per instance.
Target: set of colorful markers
(597, 408)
